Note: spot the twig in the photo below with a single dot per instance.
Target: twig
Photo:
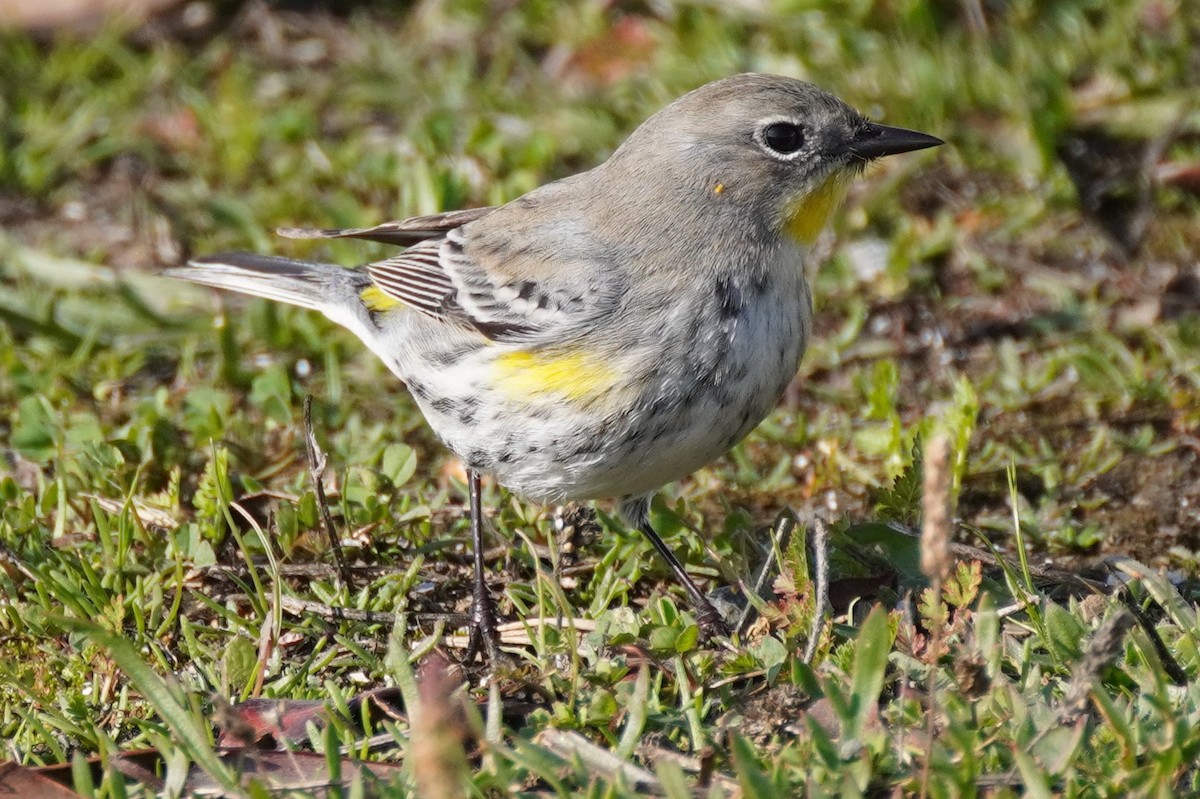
(568, 744)
(297, 607)
(516, 633)
(820, 550)
(227, 571)
(316, 467)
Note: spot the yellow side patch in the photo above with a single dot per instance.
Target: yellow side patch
(376, 299)
(806, 217)
(572, 375)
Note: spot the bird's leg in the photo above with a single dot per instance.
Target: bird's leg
(483, 639)
(709, 618)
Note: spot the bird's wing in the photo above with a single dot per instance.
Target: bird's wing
(530, 271)
(507, 294)
(404, 232)
(416, 278)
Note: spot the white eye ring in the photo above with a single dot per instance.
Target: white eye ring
(782, 138)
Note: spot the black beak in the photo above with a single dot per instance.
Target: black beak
(875, 141)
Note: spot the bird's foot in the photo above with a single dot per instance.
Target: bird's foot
(484, 640)
(712, 624)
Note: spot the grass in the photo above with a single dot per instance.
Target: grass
(961, 292)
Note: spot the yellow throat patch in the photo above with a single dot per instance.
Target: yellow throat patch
(805, 217)
(571, 375)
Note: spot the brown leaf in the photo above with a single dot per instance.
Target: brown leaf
(278, 771)
(17, 780)
(267, 723)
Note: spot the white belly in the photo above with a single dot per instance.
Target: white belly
(692, 386)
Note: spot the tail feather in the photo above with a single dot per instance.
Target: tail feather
(321, 287)
(333, 290)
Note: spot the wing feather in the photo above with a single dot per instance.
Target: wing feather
(404, 232)
(511, 296)
(415, 277)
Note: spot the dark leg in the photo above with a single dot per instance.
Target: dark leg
(483, 607)
(637, 514)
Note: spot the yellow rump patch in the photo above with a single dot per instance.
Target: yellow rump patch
(572, 375)
(376, 299)
(806, 217)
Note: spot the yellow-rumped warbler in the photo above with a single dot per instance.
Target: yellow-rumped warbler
(616, 330)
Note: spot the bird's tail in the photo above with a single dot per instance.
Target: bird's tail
(332, 290)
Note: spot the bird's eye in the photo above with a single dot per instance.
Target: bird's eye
(783, 137)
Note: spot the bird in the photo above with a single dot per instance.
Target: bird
(611, 332)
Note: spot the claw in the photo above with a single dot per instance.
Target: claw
(483, 640)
